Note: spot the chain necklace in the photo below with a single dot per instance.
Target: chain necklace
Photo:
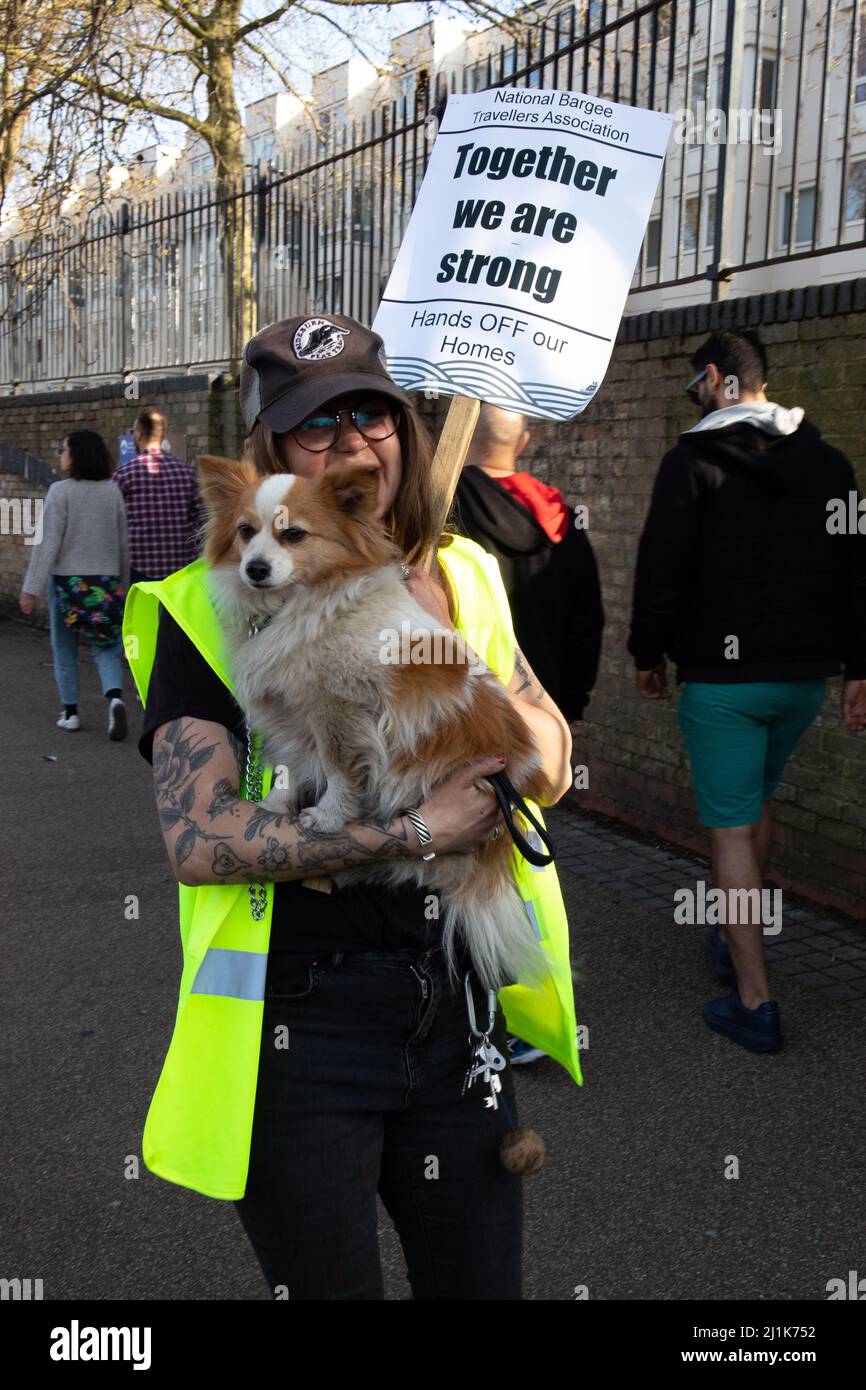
(253, 786)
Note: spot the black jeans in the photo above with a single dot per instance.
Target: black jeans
(359, 1092)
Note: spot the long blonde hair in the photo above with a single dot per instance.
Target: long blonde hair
(409, 523)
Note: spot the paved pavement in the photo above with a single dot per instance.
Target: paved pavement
(633, 1202)
(818, 946)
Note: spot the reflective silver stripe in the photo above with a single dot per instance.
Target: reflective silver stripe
(232, 974)
(530, 908)
(537, 843)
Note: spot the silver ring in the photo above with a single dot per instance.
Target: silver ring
(497, 832)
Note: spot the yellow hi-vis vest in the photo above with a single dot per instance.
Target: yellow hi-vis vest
(198, 1128)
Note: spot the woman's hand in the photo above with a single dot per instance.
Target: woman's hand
(25, 603)
(429, 594)
(459, 816)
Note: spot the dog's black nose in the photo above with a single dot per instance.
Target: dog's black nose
(257, 570)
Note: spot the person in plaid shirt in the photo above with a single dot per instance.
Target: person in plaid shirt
(163, 506)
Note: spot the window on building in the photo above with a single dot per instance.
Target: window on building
(407, 91)
(767, 101)
(201, 168)
(805, 228)
(690, 225)
(860, 84)
(504, 65)
(595, 11)
(262, 149)
(708, 223)
(75, 290)
(362, 213)
(767, 85)
(476, 76)
(653, 242)
(709, 227)
(855, 204)
(699, 88)
(706, 87)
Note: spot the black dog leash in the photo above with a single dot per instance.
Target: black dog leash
(508, 795)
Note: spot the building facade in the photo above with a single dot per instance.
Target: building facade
(763, 187)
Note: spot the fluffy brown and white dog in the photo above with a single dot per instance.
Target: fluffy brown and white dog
(363, 730)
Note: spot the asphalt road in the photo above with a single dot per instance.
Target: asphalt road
(633, 1202)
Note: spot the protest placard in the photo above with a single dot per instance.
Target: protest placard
(511, 280)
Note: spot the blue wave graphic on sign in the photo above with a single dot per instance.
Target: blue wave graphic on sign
(490, 383)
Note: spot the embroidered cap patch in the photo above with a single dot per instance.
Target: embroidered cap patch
(318, 339)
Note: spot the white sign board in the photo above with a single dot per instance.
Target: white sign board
(513, 274)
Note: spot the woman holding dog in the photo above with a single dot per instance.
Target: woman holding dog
(319, 1051)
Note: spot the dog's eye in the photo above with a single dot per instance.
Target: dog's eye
(245, 531)
(292, 535)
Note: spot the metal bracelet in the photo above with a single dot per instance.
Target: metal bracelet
(423, 833)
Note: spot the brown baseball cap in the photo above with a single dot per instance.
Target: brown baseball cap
(291, 367)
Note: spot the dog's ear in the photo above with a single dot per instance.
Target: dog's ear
(223, 480)
(350, 488)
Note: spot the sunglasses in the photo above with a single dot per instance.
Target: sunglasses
(691, 390)
(375, 420)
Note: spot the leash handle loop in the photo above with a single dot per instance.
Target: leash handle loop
(508, 795)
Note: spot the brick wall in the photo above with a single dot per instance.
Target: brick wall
(202, 418)
(15, 553)
(607, 459)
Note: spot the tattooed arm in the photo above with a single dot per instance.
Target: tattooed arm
(212, 835)
(547, 724)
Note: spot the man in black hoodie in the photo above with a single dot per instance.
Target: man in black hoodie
(545, 558)
(744, 581)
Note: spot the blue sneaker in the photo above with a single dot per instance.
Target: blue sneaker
(520, 1052)
(721, 959)
(760, 1030)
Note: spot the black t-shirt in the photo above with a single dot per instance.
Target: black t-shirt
(307, 924)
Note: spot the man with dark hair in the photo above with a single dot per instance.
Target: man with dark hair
(744, 583)
(163, 505)
(739, 357)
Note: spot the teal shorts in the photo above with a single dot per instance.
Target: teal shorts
(739, 738)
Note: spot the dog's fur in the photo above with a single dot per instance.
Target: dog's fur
(359, 737)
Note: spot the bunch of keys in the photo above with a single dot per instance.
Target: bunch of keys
(486, 1060)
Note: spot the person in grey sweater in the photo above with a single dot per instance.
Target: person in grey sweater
(82, 565)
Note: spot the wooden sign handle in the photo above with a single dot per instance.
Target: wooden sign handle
(453, 447)
(448, 460)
